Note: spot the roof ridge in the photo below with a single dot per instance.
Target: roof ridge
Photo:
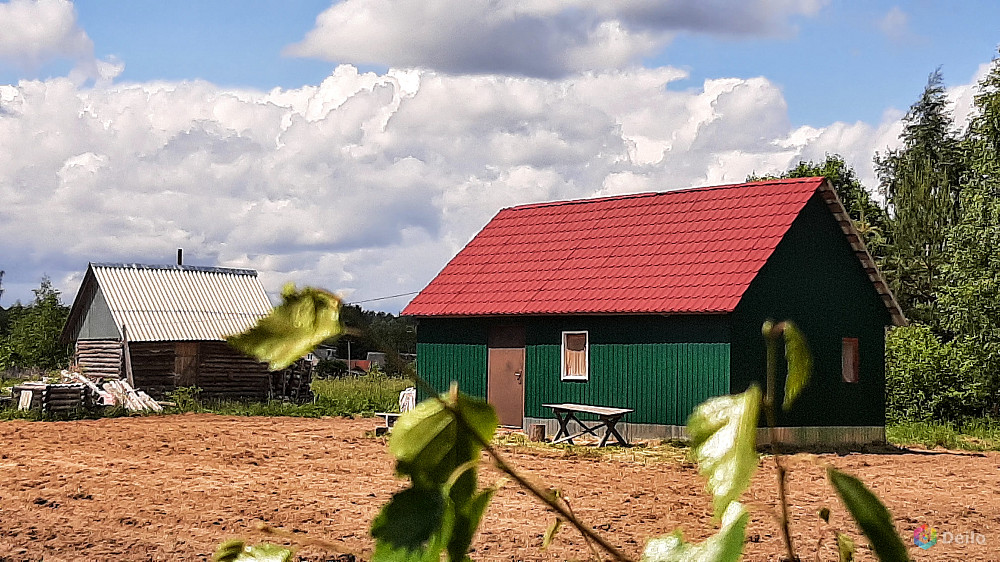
(175, 267)
(659, 193)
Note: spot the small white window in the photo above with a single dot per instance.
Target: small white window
(850, 360)
(575, 356)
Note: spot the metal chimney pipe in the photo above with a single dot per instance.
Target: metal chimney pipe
(180, 256)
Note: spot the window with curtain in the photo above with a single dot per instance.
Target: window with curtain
(850, 360)
(575, 356)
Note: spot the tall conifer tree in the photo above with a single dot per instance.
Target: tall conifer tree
(922, 185)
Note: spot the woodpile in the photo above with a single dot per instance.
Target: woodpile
(293, 384)
(99, 358)
(76, 390)
(50, 397)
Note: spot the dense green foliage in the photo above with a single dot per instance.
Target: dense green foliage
(870, 218)
(922, 184)
(952, 371)
(29, 335)
(927, 379)
(368, 330)
(970, 435)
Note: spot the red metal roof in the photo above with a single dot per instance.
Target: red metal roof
(687, 251)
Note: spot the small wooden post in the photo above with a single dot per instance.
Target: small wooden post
(536, 432)
(128, 357)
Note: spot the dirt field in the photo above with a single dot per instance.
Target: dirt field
(173, 487)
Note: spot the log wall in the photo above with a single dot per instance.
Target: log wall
(101, 358)
(153, 367)
(218, 370)
(226, 373)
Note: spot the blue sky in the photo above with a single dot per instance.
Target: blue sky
(358, 145)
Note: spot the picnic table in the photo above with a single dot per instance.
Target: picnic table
(608, 418)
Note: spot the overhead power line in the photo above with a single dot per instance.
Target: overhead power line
(383, 298)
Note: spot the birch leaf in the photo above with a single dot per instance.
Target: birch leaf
(302, 321)
(550, 532)
(845, 548)
(871, 516)
(723, 434)
(799, 363)
(724, 546)
(238, 551)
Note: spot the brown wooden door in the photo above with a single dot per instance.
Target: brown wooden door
(186, 363)
(505, 374)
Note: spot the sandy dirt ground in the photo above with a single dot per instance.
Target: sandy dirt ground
(174, 487)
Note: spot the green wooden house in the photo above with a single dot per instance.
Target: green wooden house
(655, 301)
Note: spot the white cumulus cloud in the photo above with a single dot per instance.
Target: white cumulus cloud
(33, 32)
(528, 37)
(366, 183)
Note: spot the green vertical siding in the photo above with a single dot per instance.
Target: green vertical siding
(661, 382)
(441, 363)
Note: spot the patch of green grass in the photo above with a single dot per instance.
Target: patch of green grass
(363, 394)
(345, 396)
(973, 435)
(12, 413)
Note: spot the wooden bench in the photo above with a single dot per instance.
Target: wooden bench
(390, 420)
(608, 418)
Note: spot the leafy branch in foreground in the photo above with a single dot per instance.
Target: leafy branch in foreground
(438, 451)
(550, 498)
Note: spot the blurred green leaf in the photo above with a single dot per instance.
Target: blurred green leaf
(429, 443)
(237, 551)
(412, 526)
(845, 547)
(824, 514)
(468, 514)
(302, 321)
(723, 434)
(550, 532)
(871, 515)
(724, 546)
(799, 363)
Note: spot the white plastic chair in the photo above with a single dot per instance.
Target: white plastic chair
(407, 399)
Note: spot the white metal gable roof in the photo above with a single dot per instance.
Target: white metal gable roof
(181, 302)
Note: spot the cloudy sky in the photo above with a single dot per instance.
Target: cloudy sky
(358, 145)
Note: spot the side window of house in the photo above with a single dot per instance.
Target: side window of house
(575, 356)
(850, 361)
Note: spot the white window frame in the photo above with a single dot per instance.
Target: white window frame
(562, 357)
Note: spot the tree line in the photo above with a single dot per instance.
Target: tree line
(29, 334)
(935, 235)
